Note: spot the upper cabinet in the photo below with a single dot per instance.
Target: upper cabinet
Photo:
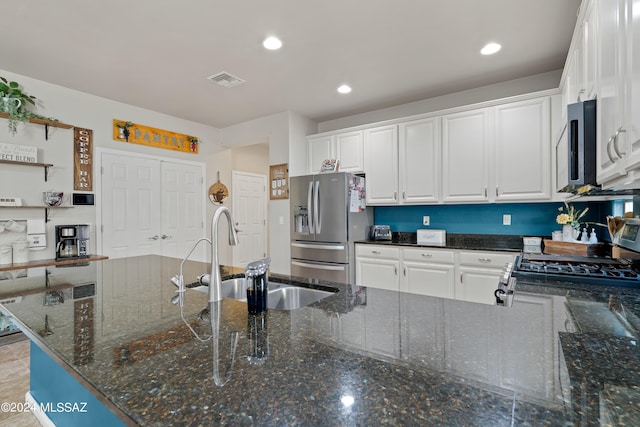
(345, 147)
(604, 64)
(522, 150)
(466, 145)
(402, 163)
(498, 153)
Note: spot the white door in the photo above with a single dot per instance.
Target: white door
(181, 215)
(130, 206)
(150, 206)
(249, 207)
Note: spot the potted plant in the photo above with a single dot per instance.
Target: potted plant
(123, 130)
(13, 101)
(193, 143)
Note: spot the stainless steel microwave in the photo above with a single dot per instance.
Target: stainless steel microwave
(581, 128)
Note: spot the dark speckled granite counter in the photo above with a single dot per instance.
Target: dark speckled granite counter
(490, 242)
(359, 357)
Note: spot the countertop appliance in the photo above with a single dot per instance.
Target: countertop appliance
(381, 232)
(72, 241)
(327, 216)
(586, 270)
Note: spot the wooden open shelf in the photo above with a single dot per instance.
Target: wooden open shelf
(46, 166)
(45, 207)
(43, 122)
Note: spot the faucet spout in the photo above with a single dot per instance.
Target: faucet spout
(215, 293)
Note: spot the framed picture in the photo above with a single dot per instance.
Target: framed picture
(279, 176)
(330, 165)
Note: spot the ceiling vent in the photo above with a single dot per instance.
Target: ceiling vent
(225, 79)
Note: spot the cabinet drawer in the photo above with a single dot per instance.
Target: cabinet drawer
(371, 251)
(485, 259)
(429, 255)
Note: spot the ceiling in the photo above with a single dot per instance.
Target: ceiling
(157, 54)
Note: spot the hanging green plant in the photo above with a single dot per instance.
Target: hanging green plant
(13, 101)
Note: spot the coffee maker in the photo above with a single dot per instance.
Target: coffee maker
(71, 241)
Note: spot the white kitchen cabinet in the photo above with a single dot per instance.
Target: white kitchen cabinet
(419, 161)
(378, 266)
(428, 272)
(346, 147)
(478, 273)
(523, 150)
(611, 75)
(632, 101)
(381, 165)
(402, 163)
(466, 150)
(588, 54)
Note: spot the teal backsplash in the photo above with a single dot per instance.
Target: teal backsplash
(529, 219)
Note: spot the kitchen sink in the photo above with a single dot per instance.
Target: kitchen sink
(281, 296)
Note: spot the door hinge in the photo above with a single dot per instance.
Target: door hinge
(101, 170)
(102, 228)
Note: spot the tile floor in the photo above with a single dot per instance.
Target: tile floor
(14, 383)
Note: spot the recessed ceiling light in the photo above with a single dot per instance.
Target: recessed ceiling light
(344, 89)
(490, 48)
(272, 43)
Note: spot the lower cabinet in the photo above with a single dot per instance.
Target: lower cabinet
(478, 274)
(464, 275)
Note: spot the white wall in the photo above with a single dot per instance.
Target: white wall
(299, 128)
(535, 83)
(86, 111)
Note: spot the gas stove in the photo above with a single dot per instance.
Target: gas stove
(603, 271)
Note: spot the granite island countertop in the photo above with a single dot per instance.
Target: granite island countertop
(361, 356)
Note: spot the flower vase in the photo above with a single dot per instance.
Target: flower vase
(569, 234)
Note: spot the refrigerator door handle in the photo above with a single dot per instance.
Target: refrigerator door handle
(317, 207)
(319, 266)
(310, 208)
(327, 247)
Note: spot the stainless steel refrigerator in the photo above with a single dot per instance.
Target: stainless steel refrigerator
(328, 215)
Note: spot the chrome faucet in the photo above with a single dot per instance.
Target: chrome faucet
(215, 294)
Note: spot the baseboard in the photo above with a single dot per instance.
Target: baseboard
(42, 418)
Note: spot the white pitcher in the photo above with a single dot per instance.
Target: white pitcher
(6, 104)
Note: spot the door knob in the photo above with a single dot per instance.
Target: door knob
(154, 237)
(164, 236)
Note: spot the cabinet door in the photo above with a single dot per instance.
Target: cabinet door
(378, 267)
(419, 151)
(610, 141)
(436, 280)
(633, 81)
(466, 149)
(588, 54)
(350, 152)
(381, 165)
(523, 150)
(319, 149)
(477, 284)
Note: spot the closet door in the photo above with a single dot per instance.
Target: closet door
(130, 206)
(151, 206)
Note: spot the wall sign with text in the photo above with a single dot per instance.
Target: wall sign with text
(82, 159)
(134, 133)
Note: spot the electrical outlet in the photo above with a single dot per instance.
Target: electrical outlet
(506, 219)
(426, 220)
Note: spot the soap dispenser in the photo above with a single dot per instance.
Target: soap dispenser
(584, 238)
(258, 285)
(592, 236)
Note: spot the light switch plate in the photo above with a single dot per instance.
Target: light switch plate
(506, 219)
(426, 220)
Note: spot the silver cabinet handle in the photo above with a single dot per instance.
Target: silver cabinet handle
(426, 255)
(497, 192)
(485, 192)
(484, 259)
(404, 271)
(395, 270)
(375, 252)
(404, 195)
(615, 142)
(154, 237)
(164, 236)
(395, 195)
(609, 150)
